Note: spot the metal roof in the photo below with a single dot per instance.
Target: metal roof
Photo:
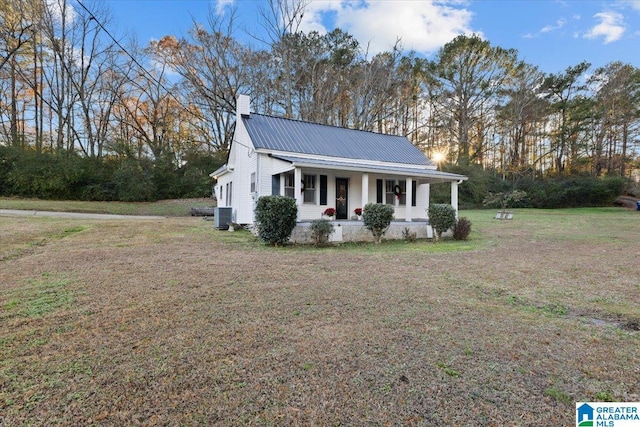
(280, 134)
(431, 175)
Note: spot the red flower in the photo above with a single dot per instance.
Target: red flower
(358, 211)
(330, 212)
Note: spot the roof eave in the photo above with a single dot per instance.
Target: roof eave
(220, 171)
(432, 175)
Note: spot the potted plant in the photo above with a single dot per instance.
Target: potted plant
(329, 212)
(358, 212)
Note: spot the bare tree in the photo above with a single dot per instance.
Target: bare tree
(281, 18)
(215, 68)
(15, 28)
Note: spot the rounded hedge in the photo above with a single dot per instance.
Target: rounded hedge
(441, 217)
(275, 219)
(377, 218)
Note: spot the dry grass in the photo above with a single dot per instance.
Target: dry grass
(170, 322)
(177, 207)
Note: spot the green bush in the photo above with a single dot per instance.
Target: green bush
(377, 218)
(133, 181)
(441, 217)
(275, 218)
(462, 229)
(321, 229)
(472, 191)
(68, 175)
(572, 191)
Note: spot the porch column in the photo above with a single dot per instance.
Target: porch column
(365, 190)
(454, 196)
(408, 199)
(424, 193)
(297, 188)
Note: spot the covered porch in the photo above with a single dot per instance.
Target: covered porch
(318, 184)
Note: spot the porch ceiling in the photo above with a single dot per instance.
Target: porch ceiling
(428, 175)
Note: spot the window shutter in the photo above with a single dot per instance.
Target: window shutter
(414, 192)
(379, 191)
(323, 189)
(275, 185)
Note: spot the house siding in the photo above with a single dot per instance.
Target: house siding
(245, 162)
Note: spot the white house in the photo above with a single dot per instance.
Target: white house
(324, 166)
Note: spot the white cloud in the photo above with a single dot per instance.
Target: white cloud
(421, 25)
(221, 6)
(635, 4)
(57, 8)
(559, 24)
(611, 27)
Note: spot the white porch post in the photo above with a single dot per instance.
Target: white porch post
(297, 188)
(454, 196)
(408, 200)
(365, 190)
(424, 192)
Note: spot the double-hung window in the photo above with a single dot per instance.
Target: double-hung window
(389, 195)
(402, 189)
(395, 190)
(309, 182)
(289, 184)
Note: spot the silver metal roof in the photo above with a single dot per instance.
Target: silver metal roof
(280, 134)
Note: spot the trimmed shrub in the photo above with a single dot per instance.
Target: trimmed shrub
(321, 229)
(462, 229)
(275, 219)
(377, 218)
(441, 217)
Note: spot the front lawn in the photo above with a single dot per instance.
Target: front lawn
(171, 322)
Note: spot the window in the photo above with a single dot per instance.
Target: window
(229, 193)
(403, 192)
(309, 186)
(390, 197)
(253, 182)
(289, 186)
(393, 189)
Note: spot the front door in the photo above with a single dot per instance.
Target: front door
(342, 198)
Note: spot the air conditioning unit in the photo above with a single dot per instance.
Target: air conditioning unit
(221, 218)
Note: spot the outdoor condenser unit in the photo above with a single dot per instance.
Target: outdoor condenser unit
(221, 218)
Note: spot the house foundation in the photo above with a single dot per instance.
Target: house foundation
(355, 231)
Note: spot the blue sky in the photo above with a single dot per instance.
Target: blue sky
(552, 34)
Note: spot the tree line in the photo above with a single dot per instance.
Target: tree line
(113, 112)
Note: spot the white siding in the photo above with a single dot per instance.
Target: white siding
(243, 160)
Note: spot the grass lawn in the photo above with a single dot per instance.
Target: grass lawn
(171, 322)
(180, 207)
